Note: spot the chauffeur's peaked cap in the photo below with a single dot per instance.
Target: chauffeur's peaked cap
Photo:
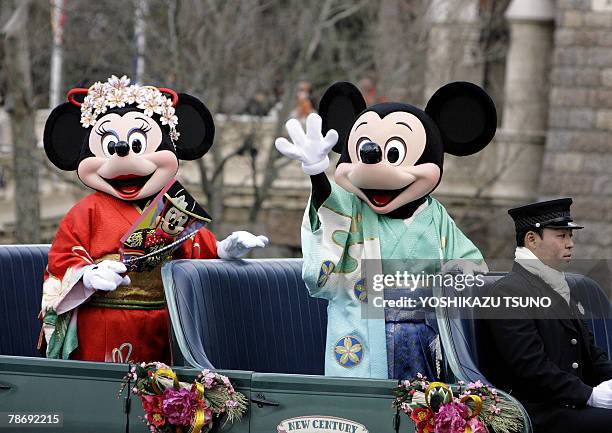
(553, 214)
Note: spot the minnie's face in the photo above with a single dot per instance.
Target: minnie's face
(383, 153)
(126, 162)
(174, 221)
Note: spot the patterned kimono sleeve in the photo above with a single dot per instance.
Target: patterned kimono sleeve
(455, 244)
(320, 249)
(63, 289)
(68, 255)
(201, 246)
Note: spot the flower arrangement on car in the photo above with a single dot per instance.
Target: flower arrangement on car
(172, 406)
(476, 408)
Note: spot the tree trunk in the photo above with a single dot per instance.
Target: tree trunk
(19, 103)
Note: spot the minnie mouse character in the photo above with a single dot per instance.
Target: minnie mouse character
(391, 159)
(125, 142)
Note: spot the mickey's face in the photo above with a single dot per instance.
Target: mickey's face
(383, 169)
(126, 161)
(392, 154)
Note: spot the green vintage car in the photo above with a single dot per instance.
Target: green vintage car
(252, 319)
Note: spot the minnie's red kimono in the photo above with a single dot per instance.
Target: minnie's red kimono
(129, 323)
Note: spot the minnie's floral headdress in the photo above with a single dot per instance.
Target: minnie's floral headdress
(117, 92)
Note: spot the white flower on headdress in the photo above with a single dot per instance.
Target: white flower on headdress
(149, 103)
(96, 91)
(167, 103)
(159, 103)
(119, 83)
(168, 117)
(99, 109)
(116, 99)
(132, 94)
(117, 92)
(88, 119)
(89, 100)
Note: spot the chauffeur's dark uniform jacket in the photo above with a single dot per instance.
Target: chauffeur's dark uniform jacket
(550, 364)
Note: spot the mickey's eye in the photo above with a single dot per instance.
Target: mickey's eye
(109, 141)
(360, 143)
(395, 151)
(138, 142)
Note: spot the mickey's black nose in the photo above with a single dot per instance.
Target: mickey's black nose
(370, 153)
(122, 148)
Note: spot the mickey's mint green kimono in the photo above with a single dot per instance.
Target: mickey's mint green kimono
(336, 238)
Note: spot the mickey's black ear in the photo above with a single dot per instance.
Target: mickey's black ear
(196, 126)
(339, 108)
(465, 115)
(64, 136)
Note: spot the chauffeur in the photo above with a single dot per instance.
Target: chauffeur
(550, 364)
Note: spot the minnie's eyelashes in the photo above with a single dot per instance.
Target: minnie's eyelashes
(101, 130)
(145, 127)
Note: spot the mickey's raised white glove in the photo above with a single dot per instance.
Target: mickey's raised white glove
(238, 244)
(602, 395)
(464, 266)
(106, 276)
(311, 148)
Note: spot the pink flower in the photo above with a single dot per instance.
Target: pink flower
(231, 404)
(208, 378)
(476, 425)
(228, 385)
(477, 384)
(451, 418)
(179, 406)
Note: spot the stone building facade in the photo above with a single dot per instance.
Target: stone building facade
(578, 154)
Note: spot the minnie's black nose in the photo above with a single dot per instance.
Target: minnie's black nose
(370, 153)
(122, 148)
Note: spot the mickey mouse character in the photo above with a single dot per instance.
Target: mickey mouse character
(125, 142)
(380, 207)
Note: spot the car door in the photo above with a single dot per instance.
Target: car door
(287, 403)
(82, 394)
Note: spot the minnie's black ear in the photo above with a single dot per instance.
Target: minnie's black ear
(64, 136)
(465, 115)
(196, 126)
(339, 108)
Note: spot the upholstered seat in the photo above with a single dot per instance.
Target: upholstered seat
(21, 278)
(246, 315)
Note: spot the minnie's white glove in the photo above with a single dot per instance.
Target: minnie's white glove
(310, 148)
(602, 395)
(464, 266)
(106, 276)
(238, 244)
